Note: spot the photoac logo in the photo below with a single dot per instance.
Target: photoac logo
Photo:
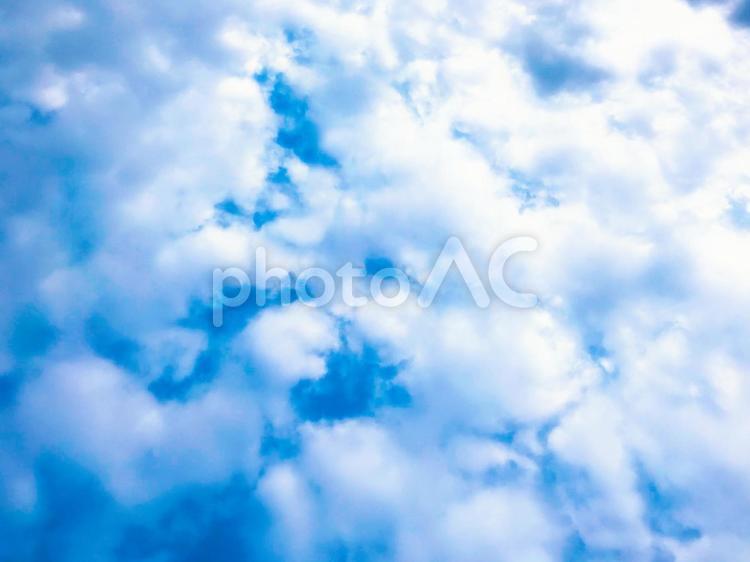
(289, 289)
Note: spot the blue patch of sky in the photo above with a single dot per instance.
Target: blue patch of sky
(10, 385)
(301, 41)
(278, 182)
(78, 213)
(531, 192)
(31, 334)
(741, 14)
(374, 264)
(229, 210)
(40, 117)
(662, 509)
(379, 547)
(458, 133)
(278, 447)
(600, 355)
(596, 350)
(563, 483)
(507, 436)
(659, 554)
(15, 113)
(554, 71)
(576, 550)
(204, 371)
(739, 212)
(108, 343)
(356, 384)
(297, 132)
(264, 212)
(263, 215)
(504, 474)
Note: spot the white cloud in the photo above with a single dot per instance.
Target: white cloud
(290, 343)
(95, 414)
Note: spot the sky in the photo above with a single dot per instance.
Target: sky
(143, 145)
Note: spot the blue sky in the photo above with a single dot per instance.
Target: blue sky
(143, 145)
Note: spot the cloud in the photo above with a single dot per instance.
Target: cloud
(309, 335)
(119, 430)
(142, 146)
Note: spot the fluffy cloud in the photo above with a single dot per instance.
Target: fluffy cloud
(95, 414)
(289, 344)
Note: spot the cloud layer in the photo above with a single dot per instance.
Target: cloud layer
(144, 144)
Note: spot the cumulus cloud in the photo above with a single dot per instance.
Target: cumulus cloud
(289, 344)
(95, 413)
